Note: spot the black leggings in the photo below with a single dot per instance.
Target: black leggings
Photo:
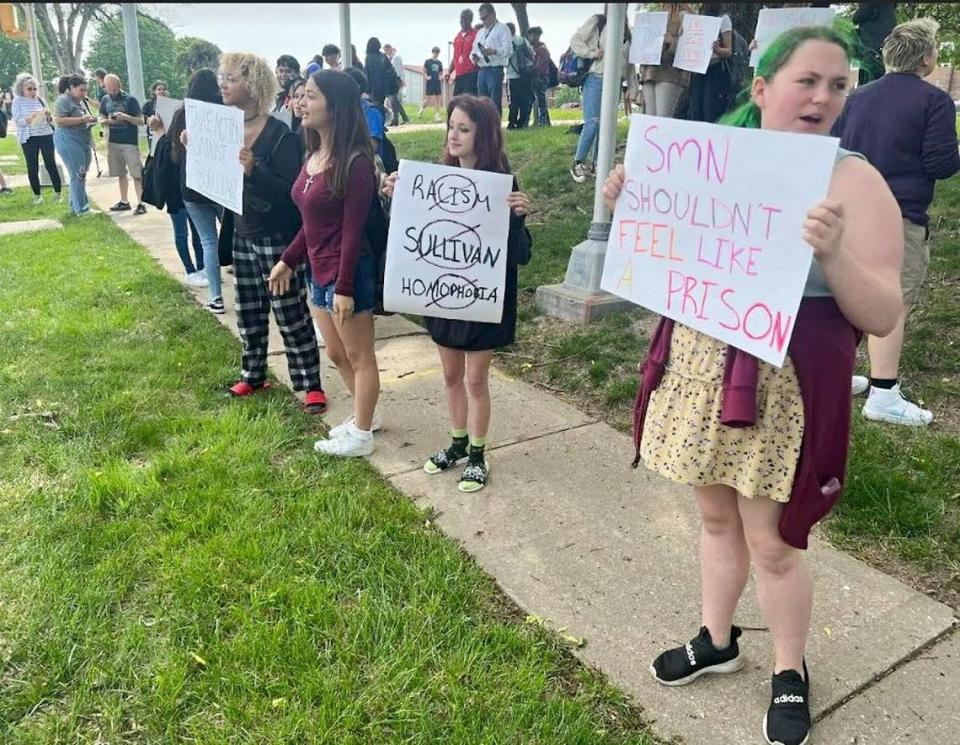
(31, 151)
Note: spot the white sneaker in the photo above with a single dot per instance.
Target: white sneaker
(352, 443)
(859, 384)
(38, 199)
(890, 406)
(340, 428)
(197, 279)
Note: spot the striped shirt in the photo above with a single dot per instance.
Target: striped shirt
(23, 109)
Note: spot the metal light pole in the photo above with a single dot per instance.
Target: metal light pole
(346, 51)
(580, 298)
(36, 69)
(131, 45)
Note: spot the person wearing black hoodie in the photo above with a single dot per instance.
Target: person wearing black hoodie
(271, 163)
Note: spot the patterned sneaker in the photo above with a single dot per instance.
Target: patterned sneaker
(340, 428)
(890, 406)
(215, 306)
(682, 665)
(858, 384)
(578, 172)
(474, 475)
(120, 207)
(787, 721)
(141, 209)
(352, 443)
(446, 459)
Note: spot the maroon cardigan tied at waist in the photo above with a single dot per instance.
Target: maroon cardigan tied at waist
(823, 352)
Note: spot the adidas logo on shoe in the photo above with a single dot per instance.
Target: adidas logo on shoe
(682, 665)
(788, 699)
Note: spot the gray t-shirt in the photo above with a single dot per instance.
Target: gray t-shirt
(66, 105)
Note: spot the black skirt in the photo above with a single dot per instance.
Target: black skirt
(474, 336)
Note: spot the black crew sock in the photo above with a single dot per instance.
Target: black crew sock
(883, 383)
(458, 448)
(476, 455)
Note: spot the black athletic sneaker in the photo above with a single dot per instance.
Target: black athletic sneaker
(787, 721)
(682, 665)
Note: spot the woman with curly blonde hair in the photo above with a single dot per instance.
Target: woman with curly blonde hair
(271, 163)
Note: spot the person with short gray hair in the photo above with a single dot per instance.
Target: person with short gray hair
(121, 114)
(35, 134)
(906, 128)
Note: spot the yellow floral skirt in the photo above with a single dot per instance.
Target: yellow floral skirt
(684, 440)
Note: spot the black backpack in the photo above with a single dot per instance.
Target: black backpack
(376, 231)
(392, 80)
(3, 123)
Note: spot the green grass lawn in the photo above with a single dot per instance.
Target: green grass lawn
(176, 567)
(901, 509)
(557, 115)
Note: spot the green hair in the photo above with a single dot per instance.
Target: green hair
(747, 114)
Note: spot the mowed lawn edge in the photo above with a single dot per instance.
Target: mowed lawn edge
(177, 566)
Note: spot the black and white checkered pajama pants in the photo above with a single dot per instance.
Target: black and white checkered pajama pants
(253, 260)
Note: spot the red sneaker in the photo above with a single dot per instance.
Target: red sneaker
(242, 389)
(315, 402)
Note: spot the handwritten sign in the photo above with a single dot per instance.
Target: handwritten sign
(447, 246)
(695, 46)
(166, 108)
(774, 21)
(215, 136)
(709, 227)
(648, 32)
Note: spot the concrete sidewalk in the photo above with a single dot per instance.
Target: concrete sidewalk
(575, 536)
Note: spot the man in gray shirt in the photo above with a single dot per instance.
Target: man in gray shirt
(394, 101)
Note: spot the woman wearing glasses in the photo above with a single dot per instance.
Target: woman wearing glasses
(35, 134)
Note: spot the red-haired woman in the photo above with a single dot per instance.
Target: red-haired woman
(475, 141)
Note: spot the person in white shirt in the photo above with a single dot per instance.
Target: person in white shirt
(395, 101)
(35, 134)
(491, 52)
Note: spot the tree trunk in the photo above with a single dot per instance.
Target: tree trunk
(523, 22)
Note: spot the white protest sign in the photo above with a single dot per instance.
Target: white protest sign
(709, 227)
(774, 21)
(648, 32)
(695, 46)
(166, 108)
(215, 136)
(447, 246)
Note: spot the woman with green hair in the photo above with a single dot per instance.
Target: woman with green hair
(764, 474)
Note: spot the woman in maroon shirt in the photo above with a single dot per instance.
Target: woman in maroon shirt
(474, 141)
(334, 192)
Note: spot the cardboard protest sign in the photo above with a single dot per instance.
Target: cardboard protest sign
(215, 136)
(648, 32)
(774, 21)
(447, 246)
(709, 227)
(695, 46)
(166, 108)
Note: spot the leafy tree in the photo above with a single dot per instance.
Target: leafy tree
(158, 50)
(15, 58)
(194, 54)
(62, 27)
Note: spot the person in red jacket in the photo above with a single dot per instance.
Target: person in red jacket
(464, 72)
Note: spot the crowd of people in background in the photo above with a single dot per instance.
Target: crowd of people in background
(317, 163)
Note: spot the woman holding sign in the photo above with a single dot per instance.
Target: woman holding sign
(474, 141)
(765, 448)
(334, 192)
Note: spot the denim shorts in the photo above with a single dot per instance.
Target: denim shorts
(364, 288)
